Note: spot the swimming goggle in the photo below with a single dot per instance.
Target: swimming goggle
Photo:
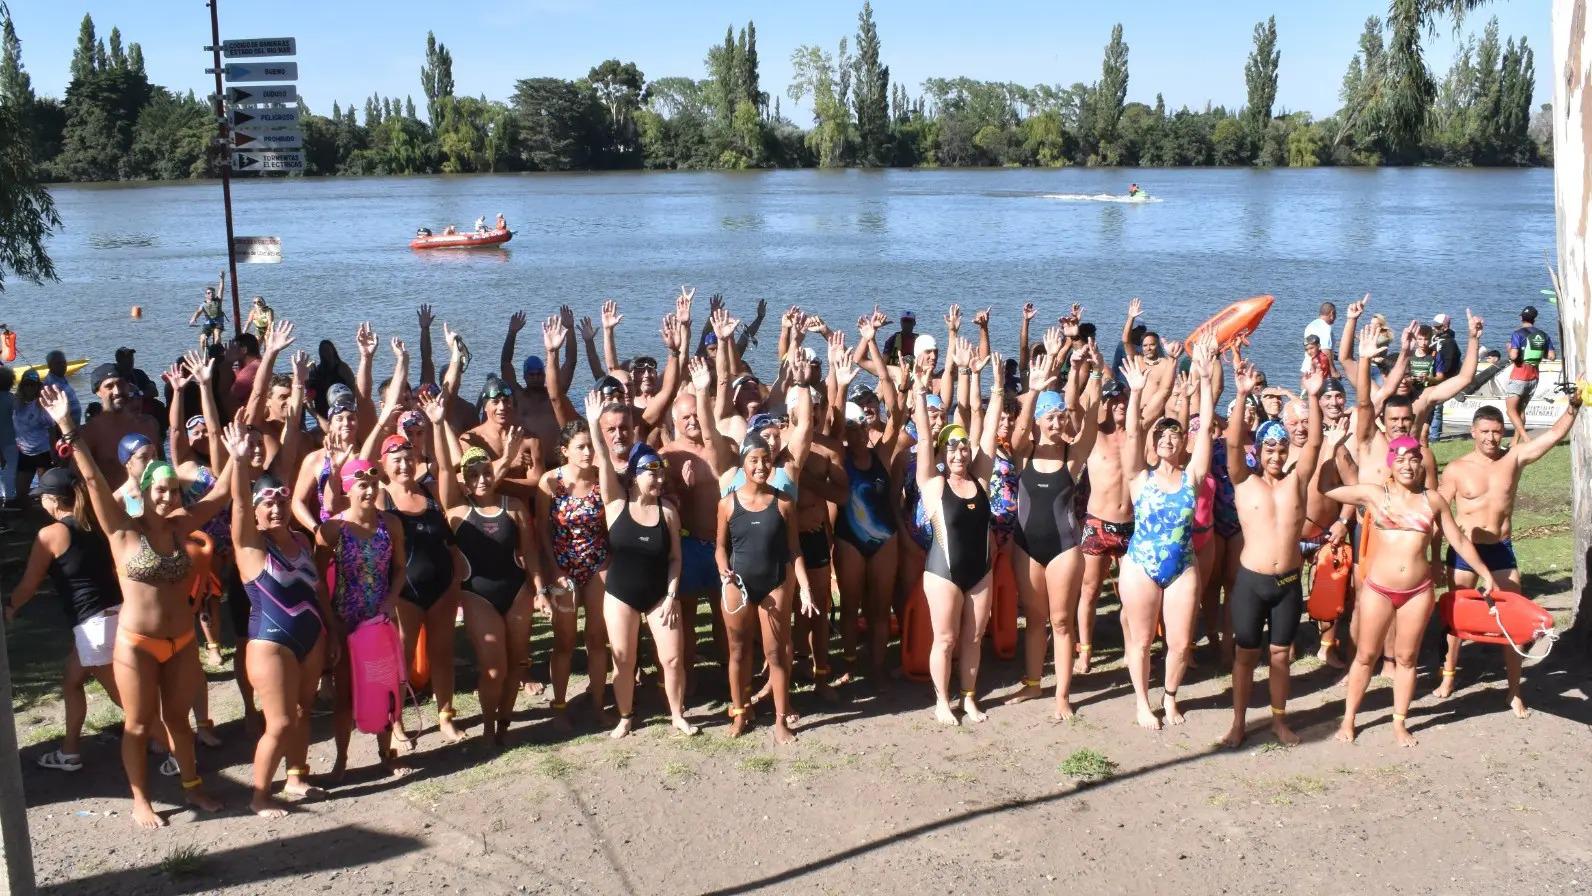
(369, 474)
(651, 466)
(495, 393)
(279, 493)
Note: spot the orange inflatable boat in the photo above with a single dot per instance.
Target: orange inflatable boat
(1329, 586)
(470, 240)
(1232, 323)
(1499, 618)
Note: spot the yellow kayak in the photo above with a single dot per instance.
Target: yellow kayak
(71, 368)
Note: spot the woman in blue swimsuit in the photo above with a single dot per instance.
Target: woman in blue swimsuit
(287, 613)
(1158, 579)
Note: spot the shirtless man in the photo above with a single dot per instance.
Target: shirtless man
(517, 475)
(695, 458)
(1108, 519)
(121, 417)
(1482, 486)
(1266, 592)
(533, 406)
(649, 396)
(1327, 523)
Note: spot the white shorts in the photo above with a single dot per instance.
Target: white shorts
(95, 639)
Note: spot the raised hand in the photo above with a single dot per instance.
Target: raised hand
(1205, 353)
(1245, 379)
(54, 402)
(845, 371)
(981, 318)
(278, 337)
(701, 375)
(553, 334)
(1135, 308)
(1174, 350)
(993, 359)
(791, 319)
(866, 328)
(365, 337)
(1029, 311)
(1053, 342)
(723, 324)
(426, 317)
(837, 346)
(670, 331)
(175, 375)
(682, 304)
(513, 441)
(953, 318)
(594, 406)
(962, 352)
(400, 351)
(1134, 371)
(588, 332)
(200, 368)
(1358, 308)
(1365, 345)
(1313, 381)
(1474, 323)
(516, 322)
(567, 315)
(611, 315)
(301, 367)
(431, 405)
(236, 441)
(1040, 374)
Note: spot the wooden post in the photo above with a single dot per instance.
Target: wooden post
(1572, 202)
(16, 850)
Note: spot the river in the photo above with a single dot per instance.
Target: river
(1419, 240)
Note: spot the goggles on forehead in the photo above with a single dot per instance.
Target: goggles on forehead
(651, 466)
(268, 494)
(496, 392)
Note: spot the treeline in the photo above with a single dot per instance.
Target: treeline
(115, 125)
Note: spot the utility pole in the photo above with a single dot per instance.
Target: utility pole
(226, 159)
(16, 849)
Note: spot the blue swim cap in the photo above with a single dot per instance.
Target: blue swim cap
(933, 400)
(130, 445)
(534, 365)
(641, 454)
(1271, 431)
(1048, 402)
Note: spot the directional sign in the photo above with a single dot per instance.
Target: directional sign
(262, 71)
(265, 119)
(265, 93)
(259, 46)
(258, 249)
(286, 139)
(268, 161)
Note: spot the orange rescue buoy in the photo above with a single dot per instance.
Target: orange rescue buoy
(420, 662)
(917, 634)
(1003, 614)
(1232, 323)
(1469, 617)
(8, 346)
(1329, 585)
(137, 312)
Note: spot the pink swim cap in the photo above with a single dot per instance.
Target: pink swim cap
(1402, 445)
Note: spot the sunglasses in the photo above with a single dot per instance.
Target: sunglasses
(271, 494)
(644, 364)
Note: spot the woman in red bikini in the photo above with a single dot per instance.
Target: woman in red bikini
(1404, 516)
(155, 660)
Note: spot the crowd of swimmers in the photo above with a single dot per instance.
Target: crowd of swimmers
(798, 507)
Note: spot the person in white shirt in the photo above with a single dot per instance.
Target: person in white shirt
(1321, 327)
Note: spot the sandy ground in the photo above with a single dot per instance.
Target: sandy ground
(877, 798)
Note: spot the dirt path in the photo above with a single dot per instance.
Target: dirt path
(877, 798)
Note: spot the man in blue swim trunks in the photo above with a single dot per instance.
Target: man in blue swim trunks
(1482, 486)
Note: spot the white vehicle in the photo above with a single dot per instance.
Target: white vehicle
(1487, 389)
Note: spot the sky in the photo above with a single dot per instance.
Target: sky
(1192, 53)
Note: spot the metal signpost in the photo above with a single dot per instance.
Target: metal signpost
(255, 119)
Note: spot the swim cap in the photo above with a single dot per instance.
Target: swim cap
(473, 456)
(339, 400)
(857, 390)
(410, 420)
(395, 442)
(1402, 445)
(753, 442)
(158, 470)
(1271, 431)
(641, 454)
(130, 445)
(1048, 402)
(933, 400)
(1333, 384)
(351, 470)
(534, 365)
(912, 430)
(948, 432)
(854, 413)
(1110, 388)
(924, 343)
(760, 422)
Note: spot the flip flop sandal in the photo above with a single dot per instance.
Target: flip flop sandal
(64, 762)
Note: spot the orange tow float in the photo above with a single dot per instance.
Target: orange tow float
(1232, 323)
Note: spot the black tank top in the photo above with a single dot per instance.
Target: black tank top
(84, 576)
(638, 564)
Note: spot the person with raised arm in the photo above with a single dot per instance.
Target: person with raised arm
(156, 659)
(286, 622)
(1403, 516)
(643, 578)
(1482, 485)
(1159, 580)
(534, 404)
(1267, 596)
(956, 574)
(1053, 438)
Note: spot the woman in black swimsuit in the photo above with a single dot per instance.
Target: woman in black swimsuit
(430, 597)
(1056, 433)
(643, 574)
(755, 550)
(496, 545)
(956, 570)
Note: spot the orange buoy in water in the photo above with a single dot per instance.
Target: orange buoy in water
(138, 312)
(1232, 323)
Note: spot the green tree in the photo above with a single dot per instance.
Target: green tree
(871, 97)
(558, 121)
(101, 113)
(1408, 89)
(1260, 78)
(436, 76)
(117, 57)
(621, 89)
(171, 138)
(16, 88)
(1362, 92)
(83, 56)
(135, 59)
(1307, 143)
(813, 74)
(1227, 142)
(27, 212)
(1110, 94)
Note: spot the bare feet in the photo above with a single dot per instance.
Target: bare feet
(783, 735)
(1402, 735)
(738, 724)
(198, 799)
(1445, 689)
(1387, 668)
(302, 788)
(450, 734)
(1169, 706)
(842, 678)
(265, 806)
(970, 710)
(1147, 717)
(206, 735)
(684, 727)
(402, 740)
(1026, 693)
(1235, 735)
(1284, 734)
(144, 816)
(1064, 712)
(1080, 665)
(944, 715)
(622, 729)
(763, 692)
(339, 769)
(395, 767)
(1329, 657)
(1519, 707)
(1345, 732)
(533, 688)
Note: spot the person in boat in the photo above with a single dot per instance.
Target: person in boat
(480, 224)
(1133, 190)
(450, 230)
(1482, 485)
(501, 224)
(423, 232)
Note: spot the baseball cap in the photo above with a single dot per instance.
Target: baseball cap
(610, 385)
(1441, 319)
(55, 481)
(742, 380)
(858, 390)
(130, 445)
(1528, 313)
(102, 373)
(909, 314)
